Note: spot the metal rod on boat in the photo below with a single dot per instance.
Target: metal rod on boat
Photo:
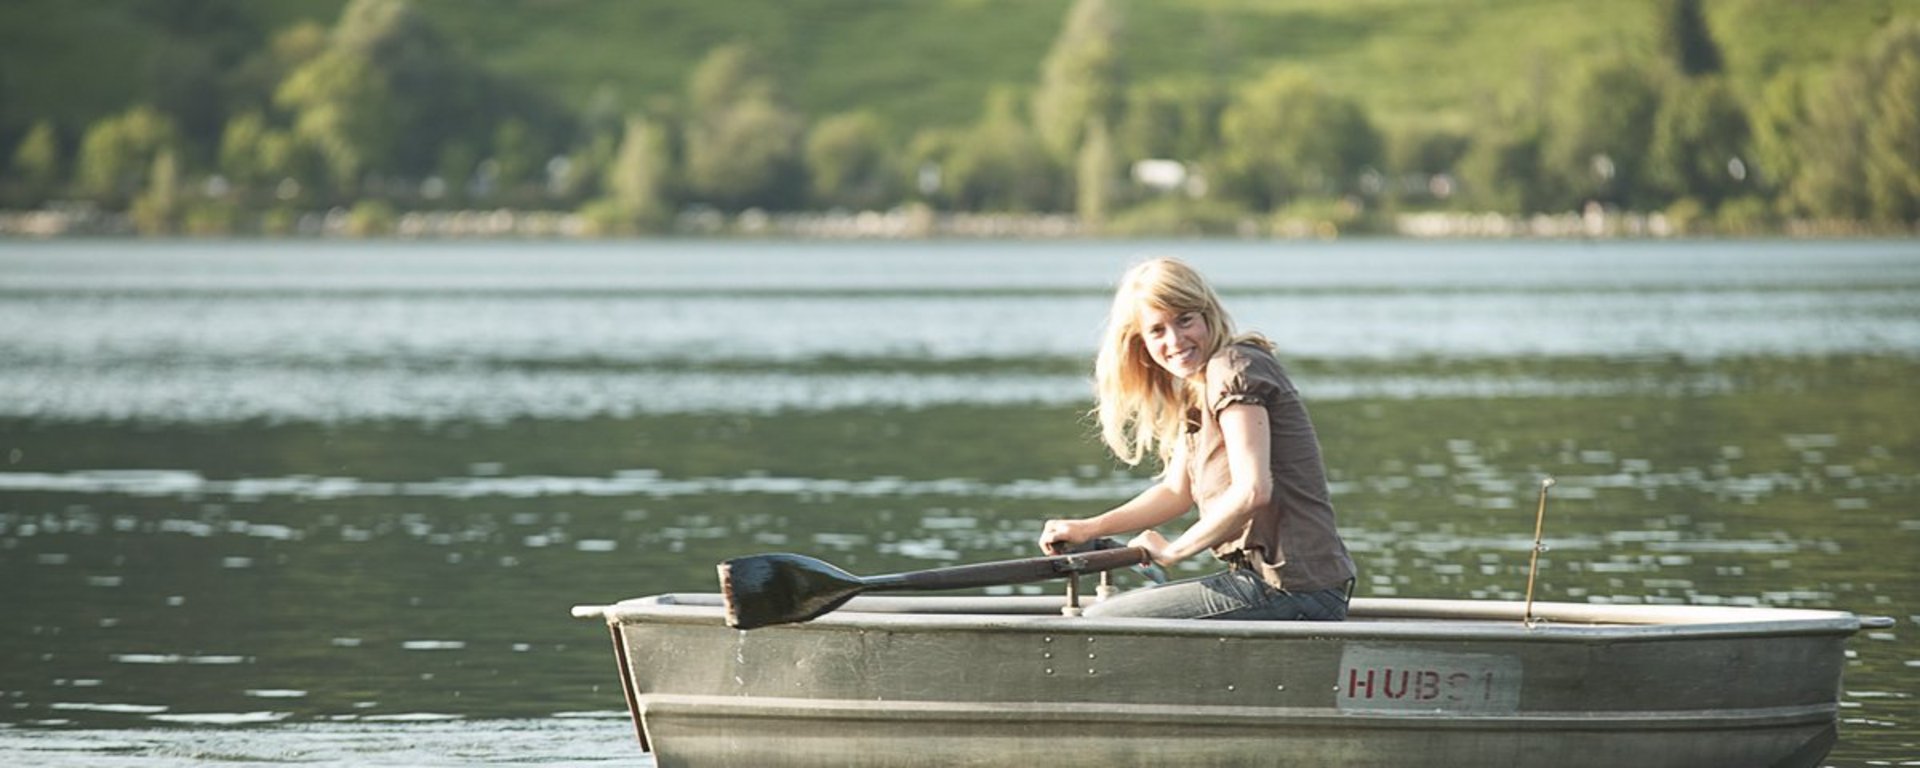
(1533, 561)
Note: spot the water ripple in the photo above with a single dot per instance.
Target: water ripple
(649, 483)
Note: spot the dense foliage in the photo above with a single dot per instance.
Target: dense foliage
(253, 115)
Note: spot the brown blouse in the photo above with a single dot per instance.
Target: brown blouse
(1292, 543)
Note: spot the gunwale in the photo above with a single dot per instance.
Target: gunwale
(1370, 618)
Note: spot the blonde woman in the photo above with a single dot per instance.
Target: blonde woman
(1232, 438)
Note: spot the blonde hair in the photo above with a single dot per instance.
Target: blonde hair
(1141, 407)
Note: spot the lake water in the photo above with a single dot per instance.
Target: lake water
(319, 502)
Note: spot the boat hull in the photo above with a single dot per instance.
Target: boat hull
(988, 681)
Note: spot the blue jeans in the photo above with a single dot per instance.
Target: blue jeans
(1235, 593)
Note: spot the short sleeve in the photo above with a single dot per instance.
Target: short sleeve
(1248, 375)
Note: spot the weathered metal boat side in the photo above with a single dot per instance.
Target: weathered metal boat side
(993, 680)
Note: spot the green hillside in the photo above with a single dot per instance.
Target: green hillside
(930, 62)
(220, 116)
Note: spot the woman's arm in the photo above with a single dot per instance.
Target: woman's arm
(1249, 444)
(1165, 500)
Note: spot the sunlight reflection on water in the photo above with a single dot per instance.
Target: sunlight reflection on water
(216, 394)
(419, 739)
(395, 331)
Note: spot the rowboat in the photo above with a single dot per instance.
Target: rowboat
(888, 680)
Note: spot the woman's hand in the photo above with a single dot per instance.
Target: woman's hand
(1157, 504)
(1058, 536)
(1156, 546)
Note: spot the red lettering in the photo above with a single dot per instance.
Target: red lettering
(1387, 688)
(1354, 683)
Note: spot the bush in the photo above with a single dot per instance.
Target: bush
(281, 220)
(370, 218)
(210, 219)
(1181, 217)
(1745, 216)
(1687, 216)
(851, 163)
(606, 217)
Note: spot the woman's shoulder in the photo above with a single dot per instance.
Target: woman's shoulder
(1243, 367)
(1245, 356)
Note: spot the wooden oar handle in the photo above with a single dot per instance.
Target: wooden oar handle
(1011, 571)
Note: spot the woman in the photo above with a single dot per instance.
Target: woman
(1233, 439)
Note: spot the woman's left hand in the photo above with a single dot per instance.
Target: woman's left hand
(1155, 545)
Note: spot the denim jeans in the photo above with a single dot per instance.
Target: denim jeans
(1236, 593)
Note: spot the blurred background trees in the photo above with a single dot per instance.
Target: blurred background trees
(1129, 115)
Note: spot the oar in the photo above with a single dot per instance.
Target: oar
(780, 588)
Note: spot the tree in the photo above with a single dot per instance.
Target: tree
(743, 146)
(388, 94)
(1285, 137)
(456, 166)
(183, 81)
(748, 156)
(729, 75)
(1081, 79)
(241, 159)
(1000, 165)
(1599, 138)
(199, 67)
(1893, 130)
(1774, 122)
(1417, 154)
(36, 161)
(117, 153)
(252, 82)
(1504, 168)
(1699, 143)
(157, 209)
(929, 161)
(346, 110)
(1171, 120)
(1426, 150)
(1098, 172)
(591, 162)
(851, 162)
(638, 177)
(1686, 40)
(516, 152)
(345, 101)
(1858, 152)
(1831, 150)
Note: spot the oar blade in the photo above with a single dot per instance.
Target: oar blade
(782, 588)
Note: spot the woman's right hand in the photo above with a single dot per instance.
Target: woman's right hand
(1058, 536)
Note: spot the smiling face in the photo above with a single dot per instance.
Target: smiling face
(1178, 341)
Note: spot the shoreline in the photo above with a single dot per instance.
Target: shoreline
(919, 223)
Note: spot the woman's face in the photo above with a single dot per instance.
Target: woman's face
(1176, 340)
